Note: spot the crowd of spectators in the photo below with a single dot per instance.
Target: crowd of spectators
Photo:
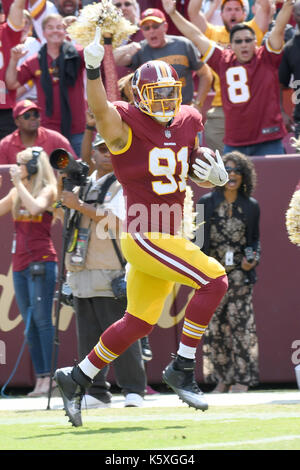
(41, 64)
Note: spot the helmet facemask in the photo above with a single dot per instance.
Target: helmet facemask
(160, 98)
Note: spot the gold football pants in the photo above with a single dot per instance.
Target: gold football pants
(157, 262)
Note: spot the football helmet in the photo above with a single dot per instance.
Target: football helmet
(157, 90)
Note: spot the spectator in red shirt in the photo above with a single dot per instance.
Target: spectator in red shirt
(10, 35)
(29, 133)
(249, 83)
(58, 73)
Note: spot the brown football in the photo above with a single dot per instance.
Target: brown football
(199, 153)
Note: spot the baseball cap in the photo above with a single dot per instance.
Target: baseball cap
(22, 106)
(98, 140)
(152, 14)
(240, 1)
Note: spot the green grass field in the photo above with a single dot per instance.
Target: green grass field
(252, 427)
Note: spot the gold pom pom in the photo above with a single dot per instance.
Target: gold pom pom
(295, 143)
(293, 219)
(108, 17)
(188, 224)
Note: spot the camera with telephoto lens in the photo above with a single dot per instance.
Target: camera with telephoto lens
(66, 295)
(249, 254)
(76, 171)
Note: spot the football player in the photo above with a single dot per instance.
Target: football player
(151, 142)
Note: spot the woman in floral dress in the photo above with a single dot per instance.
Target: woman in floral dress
(230, 347)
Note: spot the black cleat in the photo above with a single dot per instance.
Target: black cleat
(72, 383)
(179, 376)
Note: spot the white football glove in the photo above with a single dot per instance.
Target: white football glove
(94, 52)
(214, 172)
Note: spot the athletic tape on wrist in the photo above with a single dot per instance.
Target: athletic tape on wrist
(93, 74)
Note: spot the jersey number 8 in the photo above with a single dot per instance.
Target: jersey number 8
(238, 90)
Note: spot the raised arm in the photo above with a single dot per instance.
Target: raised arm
(188, 29)
(11, 72)
(205, 82)
(276, 38)
(15, 16)
(108, 120)
(263, 14)
(196, 16)
(214, 5)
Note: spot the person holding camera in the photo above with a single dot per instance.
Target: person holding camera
(34, 257)
(231, 235)
(95, 274)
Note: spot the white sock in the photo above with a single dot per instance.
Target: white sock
(88, 368)
(186, 351)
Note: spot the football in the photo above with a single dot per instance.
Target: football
(199, 153)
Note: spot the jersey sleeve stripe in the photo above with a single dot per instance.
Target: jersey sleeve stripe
(209, 52)
(127, 146)
(37, 8)
(13, 26)
(270, 49)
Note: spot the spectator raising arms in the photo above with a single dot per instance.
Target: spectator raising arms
(39, 9)
(249, 82)
(57, 71)
(176, 51)
(232, 12)
(32, 45)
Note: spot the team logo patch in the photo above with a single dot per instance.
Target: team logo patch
(168, 134)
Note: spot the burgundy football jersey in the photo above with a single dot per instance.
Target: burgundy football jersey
(8, 39)
(153, 168)
(250, 96)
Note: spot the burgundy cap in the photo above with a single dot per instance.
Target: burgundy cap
(152, 14)
(22, 106)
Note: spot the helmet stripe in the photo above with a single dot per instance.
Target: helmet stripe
(162, 70)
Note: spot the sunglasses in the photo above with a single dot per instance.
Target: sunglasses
(125, 4)
(34, 113)
(102, 148)
(240, 41)
(151, 26)
(236, 170)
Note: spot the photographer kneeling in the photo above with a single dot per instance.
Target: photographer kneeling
(91, 266)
